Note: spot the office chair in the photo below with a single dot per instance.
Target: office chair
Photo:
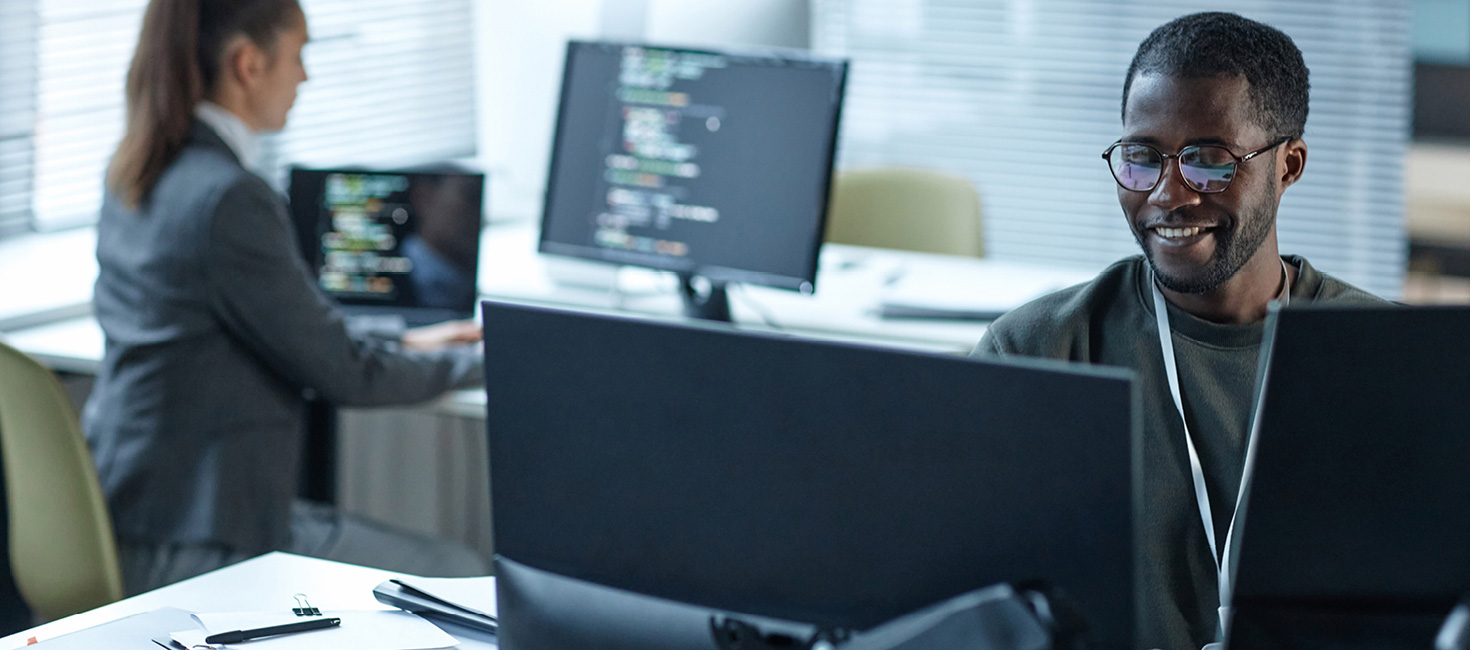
(61, 546)
(907, 209)
(15, 614)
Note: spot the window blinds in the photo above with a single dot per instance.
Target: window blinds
(17, 112)
(392, 82)
(1022, 96)
(84, 49)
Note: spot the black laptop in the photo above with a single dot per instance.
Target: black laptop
(398, 247)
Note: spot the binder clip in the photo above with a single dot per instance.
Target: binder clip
(305, 608)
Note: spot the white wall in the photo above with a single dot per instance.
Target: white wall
(779, 23)
(519, 55)
(521, 44)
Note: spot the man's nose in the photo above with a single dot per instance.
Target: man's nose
(1172, 192)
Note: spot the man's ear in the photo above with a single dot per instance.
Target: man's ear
(1293, 161)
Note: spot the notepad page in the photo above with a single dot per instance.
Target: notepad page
(360, 630)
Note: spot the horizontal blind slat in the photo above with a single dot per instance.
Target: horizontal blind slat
(1021, 98)
(392, 80)
(18, 19)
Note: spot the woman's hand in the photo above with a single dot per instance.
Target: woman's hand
(435, 337)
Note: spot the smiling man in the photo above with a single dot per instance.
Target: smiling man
(1214, 106)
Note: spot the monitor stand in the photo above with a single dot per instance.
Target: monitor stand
(708, 301)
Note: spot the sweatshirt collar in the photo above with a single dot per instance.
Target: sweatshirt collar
(1304, 289)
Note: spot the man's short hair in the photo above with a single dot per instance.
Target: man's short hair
(1219, 44)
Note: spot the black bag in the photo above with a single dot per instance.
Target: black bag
(999, 617)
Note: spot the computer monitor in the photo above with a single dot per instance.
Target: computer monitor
(714, 164)
(392, 243)
(646, 475)
(1356, 529)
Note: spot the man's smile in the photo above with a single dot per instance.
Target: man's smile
(1175, 233)
(1179, 236)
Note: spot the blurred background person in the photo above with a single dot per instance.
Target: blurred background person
(215, 329)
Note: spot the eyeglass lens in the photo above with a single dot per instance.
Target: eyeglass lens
(1204, 168)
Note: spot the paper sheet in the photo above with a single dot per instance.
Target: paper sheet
(360, 630)
(128, 633)
(964, 288)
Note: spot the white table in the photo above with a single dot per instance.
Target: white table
(46, 277)
(264, 583)
(851, 282)
(70, 345)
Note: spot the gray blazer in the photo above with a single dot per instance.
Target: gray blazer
(214, 330)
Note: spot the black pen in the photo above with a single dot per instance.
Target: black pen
(261, 632)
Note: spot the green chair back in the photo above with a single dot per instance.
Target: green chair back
(906, 209)
(62, 550)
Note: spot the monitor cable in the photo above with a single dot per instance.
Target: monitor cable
(757, 307)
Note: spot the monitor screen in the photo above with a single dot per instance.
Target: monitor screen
(1357, 516)
(659, 472)
(709, 163)
(399, 239)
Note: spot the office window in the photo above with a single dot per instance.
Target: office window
(392, 83)
(17, 113)
(1021, 97)
(83, 51)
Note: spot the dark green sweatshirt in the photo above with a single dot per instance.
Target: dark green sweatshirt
(1110, 321)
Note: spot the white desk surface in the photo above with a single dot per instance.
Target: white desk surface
(260, 584)
(46, 277)
(851, 283)
(71, 345)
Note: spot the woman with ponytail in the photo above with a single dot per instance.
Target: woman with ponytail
(215, 330)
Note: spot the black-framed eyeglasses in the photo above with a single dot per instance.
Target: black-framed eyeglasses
(1205, 168)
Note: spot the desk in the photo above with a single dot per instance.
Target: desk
(258, 584)
(46, 277)
(850, 283)
(443, 441)
(71, 345)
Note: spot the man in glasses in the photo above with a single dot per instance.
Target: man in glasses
(1214, 106)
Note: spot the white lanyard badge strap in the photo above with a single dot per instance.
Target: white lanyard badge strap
(1201, 493)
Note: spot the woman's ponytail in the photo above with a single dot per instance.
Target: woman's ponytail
(164, 84)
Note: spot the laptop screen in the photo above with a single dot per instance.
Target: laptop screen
(401, 240)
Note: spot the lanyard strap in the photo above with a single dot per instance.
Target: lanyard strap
(1201, 493)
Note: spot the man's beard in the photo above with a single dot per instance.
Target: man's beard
(1233, 249)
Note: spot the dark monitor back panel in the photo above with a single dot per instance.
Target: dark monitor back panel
(1441, 92)
(804, 481)
(397, 240)
(709, 162)
(1358, 518)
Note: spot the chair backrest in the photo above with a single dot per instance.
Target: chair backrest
(907, 209)
(15, 614)
(62, 550)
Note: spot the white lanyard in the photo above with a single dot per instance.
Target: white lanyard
(1201, 494)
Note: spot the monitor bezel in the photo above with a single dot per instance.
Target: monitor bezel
(1340, 597)
(717, 346)
(805, 283)
(307, 243)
